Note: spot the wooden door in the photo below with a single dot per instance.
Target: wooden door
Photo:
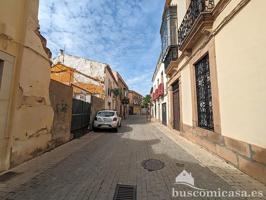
(176, 106)
(164, 121)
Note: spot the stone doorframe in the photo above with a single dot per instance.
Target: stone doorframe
(208, 49)
(5, 108)
(175, 78)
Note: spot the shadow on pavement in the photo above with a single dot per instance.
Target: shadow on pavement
(93, 171)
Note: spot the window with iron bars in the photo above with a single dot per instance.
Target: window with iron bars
(204, 94)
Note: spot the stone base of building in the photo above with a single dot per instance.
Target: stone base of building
(248, 158)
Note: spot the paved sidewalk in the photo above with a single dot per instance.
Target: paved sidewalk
(90, 167)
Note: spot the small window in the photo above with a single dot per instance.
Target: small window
(1, 71)
(106, 114)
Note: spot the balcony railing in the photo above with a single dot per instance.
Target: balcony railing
(158, 92)
(196, 8)
(170, 56)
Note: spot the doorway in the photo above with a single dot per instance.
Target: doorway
(6, 74)
(176, 106)
(164, 120)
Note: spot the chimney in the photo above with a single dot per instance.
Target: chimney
(62, 54)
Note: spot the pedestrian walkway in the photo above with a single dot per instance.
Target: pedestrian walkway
(92, 166)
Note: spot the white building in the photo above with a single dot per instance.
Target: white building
(159, 108)
(100, 74)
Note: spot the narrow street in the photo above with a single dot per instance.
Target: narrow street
(92, 166)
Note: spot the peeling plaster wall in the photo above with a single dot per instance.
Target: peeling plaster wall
(94, 69)
(31, 115)
(89, 67)
(61, 100)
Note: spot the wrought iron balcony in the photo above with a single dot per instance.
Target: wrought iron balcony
(171, 55)
(198, 10)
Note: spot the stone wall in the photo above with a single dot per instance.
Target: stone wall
(61, 101)
(249, 158)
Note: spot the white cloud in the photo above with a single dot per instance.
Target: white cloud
(123, 33)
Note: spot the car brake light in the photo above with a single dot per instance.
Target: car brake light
(115, 119)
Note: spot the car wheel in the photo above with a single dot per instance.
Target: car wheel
(115, 130)
(120, 124)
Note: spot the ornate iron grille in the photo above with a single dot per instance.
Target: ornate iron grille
(204, 95)
(196, 7)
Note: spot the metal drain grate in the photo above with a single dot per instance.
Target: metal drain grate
(125, 192)
(8, 175)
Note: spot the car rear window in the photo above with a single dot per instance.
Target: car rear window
(106, 114)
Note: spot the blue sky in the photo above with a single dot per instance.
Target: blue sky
(122, 33)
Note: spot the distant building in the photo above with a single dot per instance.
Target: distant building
(159, 96)
(122, 99)
(83, 86)
(94, 77)
(135, 100)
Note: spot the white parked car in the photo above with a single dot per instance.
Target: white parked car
(107, 119)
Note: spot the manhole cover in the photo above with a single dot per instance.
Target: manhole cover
(152, 164)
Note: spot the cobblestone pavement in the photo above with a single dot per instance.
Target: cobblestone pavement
(90, 167)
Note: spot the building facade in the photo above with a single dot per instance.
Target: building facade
(216, 78)
(122, 98)
(135, 100)
(159, 108)
(84, 86)
(94, 77)
(26, 115)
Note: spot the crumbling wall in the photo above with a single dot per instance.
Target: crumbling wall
(61, 101)
(32, 114)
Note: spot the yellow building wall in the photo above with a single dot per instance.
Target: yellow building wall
(29, 115)
(62, 74)
(186, 96)
(136, 110)
(240, 54)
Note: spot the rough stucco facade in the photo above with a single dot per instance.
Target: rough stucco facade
(61, 101)
(232, 35)
(26, 114)
(104, 79)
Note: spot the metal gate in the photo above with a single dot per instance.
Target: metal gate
(164, 121)
(176, 106)
(80, 115)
